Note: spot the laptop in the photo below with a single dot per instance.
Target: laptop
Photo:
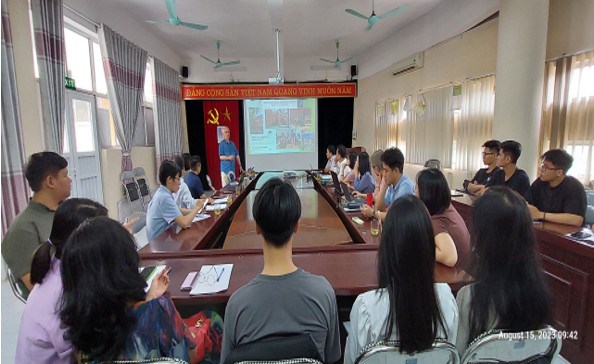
(349, 197)
(337, 188)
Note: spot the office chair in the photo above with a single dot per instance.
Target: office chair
(148, 361)
(504, 346)
(275, 349)
(143, 186)
(442, 352)
(433, 163)
(14, 285)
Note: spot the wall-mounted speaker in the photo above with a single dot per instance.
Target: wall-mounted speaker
(353, 70)
(184, 71)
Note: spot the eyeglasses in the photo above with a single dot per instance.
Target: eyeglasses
(545, 168)
(485, 154)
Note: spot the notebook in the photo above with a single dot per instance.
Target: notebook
(350, 199)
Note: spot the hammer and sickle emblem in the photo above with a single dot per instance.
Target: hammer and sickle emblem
(214, 116)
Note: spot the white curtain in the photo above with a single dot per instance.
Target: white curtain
(427, 130)
(568, 111)
(167, 108)
(388, 117)
(381, 126)
(473, 123)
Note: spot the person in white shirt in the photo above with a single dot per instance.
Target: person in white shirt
(408, 306)
(330, 154)
(341, 161)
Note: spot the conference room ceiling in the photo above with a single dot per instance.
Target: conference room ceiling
(309, 28)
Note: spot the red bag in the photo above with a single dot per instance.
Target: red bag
(206, 329)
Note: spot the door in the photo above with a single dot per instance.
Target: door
(81, 147)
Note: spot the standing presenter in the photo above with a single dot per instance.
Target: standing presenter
(228, 154)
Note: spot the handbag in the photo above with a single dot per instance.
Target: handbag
(206, 328)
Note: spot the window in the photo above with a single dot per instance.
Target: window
(78, 59)
(100, 82)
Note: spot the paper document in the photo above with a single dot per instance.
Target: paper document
(212, 279)
(222, 200)
(221, 206)
(149, 273)
(200, 217)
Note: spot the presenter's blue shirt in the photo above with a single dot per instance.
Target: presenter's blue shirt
(404, 187)
(161, 212)
(194, 184)
(228, 148)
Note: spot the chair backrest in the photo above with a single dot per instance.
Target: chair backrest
(14, 285)
(433, 163)
(275, 348)
(504, 346)
(389, 352)
(147, 361)
(283, 361)
(132, 191)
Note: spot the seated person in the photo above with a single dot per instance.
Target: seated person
(283, 299)
(364, 182)
(47, 174)
(183, 197)
(331, 164)
(397, 184)
(509, 290)
(483, 175)
(349, 169)
(193, 178)
(508, 174)
(377, 174)
(408, 306)
(341, 161)
(162, 210)
(452, 240)
(555, 196)
(120, 321)
(41, 337)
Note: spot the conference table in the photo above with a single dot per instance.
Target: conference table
(327, 243)
(568, 265)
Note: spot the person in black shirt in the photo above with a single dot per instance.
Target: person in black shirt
(509, 174)
(555, 196)
(483, 175)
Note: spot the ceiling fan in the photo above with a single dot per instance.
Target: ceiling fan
(174, 19)
(218, 64)
(335, 63)
(372, 19)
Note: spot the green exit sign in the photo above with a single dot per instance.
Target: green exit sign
(70, 83)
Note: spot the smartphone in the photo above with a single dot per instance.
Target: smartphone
(189, 281)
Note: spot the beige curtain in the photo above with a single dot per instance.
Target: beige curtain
(568, 111)
(387, 118)
(473, 123)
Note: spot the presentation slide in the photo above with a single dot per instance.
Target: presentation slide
(281, 134)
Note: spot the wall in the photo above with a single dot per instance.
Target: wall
(470, 54)
(111, 162)
(570, 27)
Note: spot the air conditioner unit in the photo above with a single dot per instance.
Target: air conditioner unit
(408, 64)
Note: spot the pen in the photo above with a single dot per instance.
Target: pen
(221, 274)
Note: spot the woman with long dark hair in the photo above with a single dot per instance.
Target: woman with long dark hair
(509, 290)
(452, 239)
(40, 334)
(364, 182)
(408, 306)
(104, 307)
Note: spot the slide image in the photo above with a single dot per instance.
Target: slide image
(299, 117)
(257, 125)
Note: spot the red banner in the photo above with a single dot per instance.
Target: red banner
(289, 91)
(216, 115)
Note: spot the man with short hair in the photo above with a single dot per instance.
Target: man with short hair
(330, 155)
(397, 184)
(183, 197)
(162, 210)
(283, 299)
(555, 196)
(193, 178)
(484, 175)
(341, 161)
(509, 174)
(47, 174)
(228, 154)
